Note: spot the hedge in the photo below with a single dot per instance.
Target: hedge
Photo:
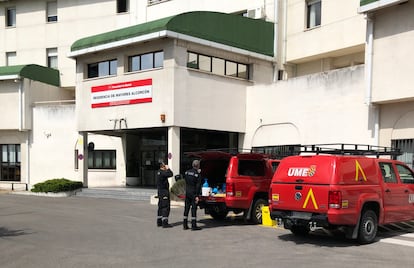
(56, 186)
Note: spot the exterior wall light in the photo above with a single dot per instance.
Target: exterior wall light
(162, 117)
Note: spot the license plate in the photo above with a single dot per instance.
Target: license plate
(301, 215)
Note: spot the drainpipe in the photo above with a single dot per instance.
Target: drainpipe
(369, 52)
(21, 116)
(284, 47)
(28, 161)
(20, 103)
(368, 59)
(276, 41)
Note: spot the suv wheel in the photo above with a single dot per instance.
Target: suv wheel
(368, 227)
(257, 211)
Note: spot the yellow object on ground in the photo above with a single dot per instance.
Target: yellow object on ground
(266, 220)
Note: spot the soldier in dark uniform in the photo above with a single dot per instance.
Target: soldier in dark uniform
(192, 191)
(163, 195)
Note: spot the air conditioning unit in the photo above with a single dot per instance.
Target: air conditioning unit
(256, 13)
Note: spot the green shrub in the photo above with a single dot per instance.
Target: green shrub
(178, 188)
(56, 185)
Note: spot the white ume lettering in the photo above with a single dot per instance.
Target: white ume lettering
(298, 172)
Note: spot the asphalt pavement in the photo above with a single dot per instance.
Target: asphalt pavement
(80, 231)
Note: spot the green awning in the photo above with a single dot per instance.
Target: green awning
(34, 72)
(374, 5)
(232, 30)
(366, 2)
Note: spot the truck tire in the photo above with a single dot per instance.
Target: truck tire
(218, 215)
(368, 227)
(256, 214)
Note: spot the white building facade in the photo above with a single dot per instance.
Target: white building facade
(320, 78)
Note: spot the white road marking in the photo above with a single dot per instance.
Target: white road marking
(398, 241)
(411, 235)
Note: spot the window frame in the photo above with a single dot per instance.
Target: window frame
(10, 59)
(154, 60)
(51, 11)
(251, 168)
(111, 71)
(52, 56)
(405, 179)
(96, 156)
(310, 4)
(7, 166)
(122, 6)
(392, 177)
(10, 17)
(194, 62)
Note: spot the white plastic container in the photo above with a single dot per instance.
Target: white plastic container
(205, 191)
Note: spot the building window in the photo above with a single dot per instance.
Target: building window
(102, 159)
(103, 68)
(278, 151)
(52, 11)
(231, 68)
(52, 58)
(406, 146)
(122, 6)
(11, 58)
(10, 162)
(146, 61)
(11, 17)
(217, 66)
(313, 13)
(204, 63)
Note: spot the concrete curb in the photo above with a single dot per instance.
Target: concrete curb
(61, 194)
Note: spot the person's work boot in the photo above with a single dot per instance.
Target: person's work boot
(194, 226)
(185, 224)
(165, 224)
(159, 222)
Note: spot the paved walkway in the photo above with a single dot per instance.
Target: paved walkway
(124, 193)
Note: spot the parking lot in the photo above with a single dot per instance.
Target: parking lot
(95, 232)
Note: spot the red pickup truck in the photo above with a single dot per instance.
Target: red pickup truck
(351, 193)
(246, 177)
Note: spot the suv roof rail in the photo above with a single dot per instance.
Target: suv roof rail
(350, 149)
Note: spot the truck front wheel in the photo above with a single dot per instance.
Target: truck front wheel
(257, 211)
(367, 227)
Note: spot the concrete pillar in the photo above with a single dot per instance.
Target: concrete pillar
(174, 151)
(83, 161)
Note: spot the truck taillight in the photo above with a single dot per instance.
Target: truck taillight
(230, 189)
(335, 199)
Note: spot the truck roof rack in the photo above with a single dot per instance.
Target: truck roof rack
(350, 149)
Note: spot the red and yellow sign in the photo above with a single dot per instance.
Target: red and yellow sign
(131, 92)
(310, 196)
(359, 171)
